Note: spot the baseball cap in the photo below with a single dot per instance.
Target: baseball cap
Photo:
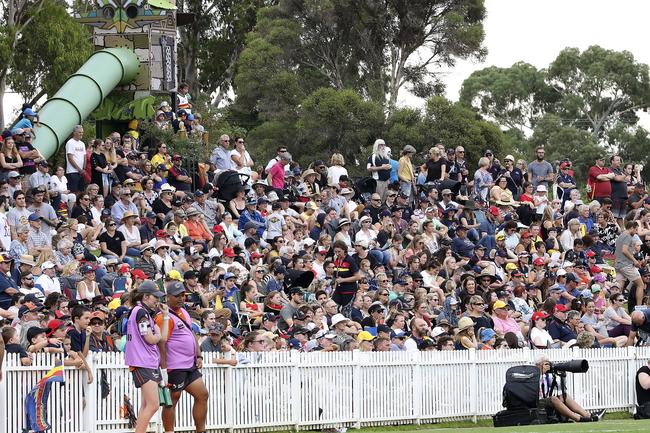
(539, 315)
(229, 252)
(561, 307)
(364, 336)
(53, 325)
(33, 217)
(97, 315)
(175, 288)
(437, 331)
(498, 304)
(34, 331)
(149, 287)
(397, 333)
(269, 317)
(29, 307)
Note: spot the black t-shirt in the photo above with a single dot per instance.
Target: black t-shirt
(642, 395)
(174, 173)
(113, 243)
(344, 269)
(78, 211)
(434, 169)
(159, 206)
(77, 340)
(357, 260)
(16, 348)
(619, 188)
(377, 161)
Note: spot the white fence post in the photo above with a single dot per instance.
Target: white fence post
(296, 381)
(473, 389)
(632, 356)
(4, 422)
(90, 409)
(356, 389)
(228, 385)
(417, 386)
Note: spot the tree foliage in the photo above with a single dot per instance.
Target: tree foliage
(516, 97)
(54, 47)
(599, 88)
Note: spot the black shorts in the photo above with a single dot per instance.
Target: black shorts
(181, 379)
(144, 375)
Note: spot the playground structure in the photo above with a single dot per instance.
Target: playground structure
(135, 59)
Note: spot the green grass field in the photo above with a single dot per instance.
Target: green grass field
(619, 422)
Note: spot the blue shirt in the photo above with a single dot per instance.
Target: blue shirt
(5, 298)
(221, 159)
(22, 124)
(118, 210)
(393, 170)
(254, 217)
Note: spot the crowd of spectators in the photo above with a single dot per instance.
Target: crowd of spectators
(426, 254)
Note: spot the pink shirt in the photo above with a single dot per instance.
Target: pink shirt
(277, 172)
(506, 325)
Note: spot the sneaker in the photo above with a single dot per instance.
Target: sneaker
(586, 419)
(598, 415)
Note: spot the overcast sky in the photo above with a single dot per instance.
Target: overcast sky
(536, 31)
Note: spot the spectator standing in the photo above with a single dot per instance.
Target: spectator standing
(276, 173)
(599, 185)
(220, 156)
(75, 151)
(406, 173)
(619, 188)
(626, 264)
(379, 167)
(540, 172)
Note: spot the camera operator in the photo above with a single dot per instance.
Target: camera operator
(642, 384)
(640, 327)
(564, 403)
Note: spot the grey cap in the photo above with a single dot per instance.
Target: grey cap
(409, 149)
(175, 288)
(149, 287)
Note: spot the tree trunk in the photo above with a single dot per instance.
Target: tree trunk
(3, 88)
(226, 82)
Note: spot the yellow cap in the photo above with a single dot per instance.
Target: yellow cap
(174, 275)
(498, 304)
(364, 336)
(511, 267)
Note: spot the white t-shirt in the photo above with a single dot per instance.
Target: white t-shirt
(77, 149)
(49, 285)
(58, 185)
(540, 337)
(133, 237)
(274, 224)
(334, 173)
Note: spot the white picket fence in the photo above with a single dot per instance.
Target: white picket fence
(291, 390)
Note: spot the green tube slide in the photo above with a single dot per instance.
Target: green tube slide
(81, 94)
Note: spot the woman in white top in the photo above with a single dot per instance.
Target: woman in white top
(539, 336)
(344, 234)
(96, 209)
(87, 288)
(336, 169)
(242, 159)
(571, 233)
(229, 227)
(366, 233)
(59, 183)
(617, 320)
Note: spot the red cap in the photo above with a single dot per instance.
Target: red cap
(162, 234)
(538, 261)
(255, 255)
(176, 157)
(229, 252)
(595, 270)
(525, 235)
(590, 253)
(539, 315)
(138, 273)
(323, 252)
(53, 325)
(563, 165)
(217, 229)
(494, 210)
(124, 268)
(97, 315)
(561, 307)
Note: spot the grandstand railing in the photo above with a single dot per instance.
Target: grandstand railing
(291, 390)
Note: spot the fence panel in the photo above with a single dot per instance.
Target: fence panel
(285, 390)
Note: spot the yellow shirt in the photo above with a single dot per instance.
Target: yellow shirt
(159, 159)
(405, 169)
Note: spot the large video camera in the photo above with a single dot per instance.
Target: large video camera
(575, 366)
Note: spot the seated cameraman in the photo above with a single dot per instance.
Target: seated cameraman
(642, 383)
(567, 408)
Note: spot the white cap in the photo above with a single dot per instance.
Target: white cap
(509, 158)
(437, 331)
(541, 188)
(560, 272)
(47, 265)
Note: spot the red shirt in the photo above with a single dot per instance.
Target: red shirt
(599, 188)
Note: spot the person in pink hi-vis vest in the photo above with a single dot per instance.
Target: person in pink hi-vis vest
(141, 352)
(181, 360)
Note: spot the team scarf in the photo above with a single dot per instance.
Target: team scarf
(36, 400)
